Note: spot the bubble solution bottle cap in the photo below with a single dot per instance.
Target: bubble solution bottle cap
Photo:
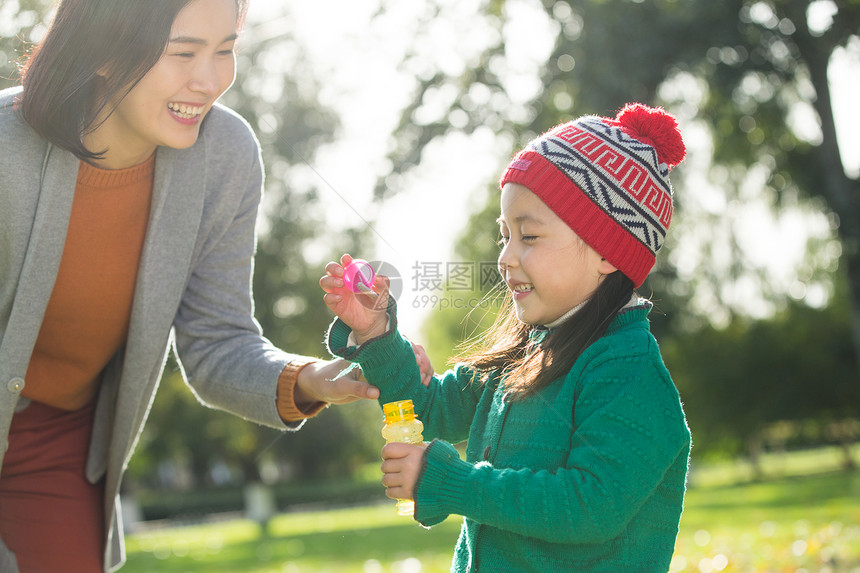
(400, 411)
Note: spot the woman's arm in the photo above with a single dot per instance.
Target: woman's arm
(226, 358)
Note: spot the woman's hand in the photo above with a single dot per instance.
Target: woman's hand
(401, 467)
(319, 382)
(364, 313)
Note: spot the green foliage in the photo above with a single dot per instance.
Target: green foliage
(336, 443)
(198, 504)
(467, 314)
(449, 330)
(291, 127)
(184, 444)
(737, 381)
(193, 437)
(286, 281)
(19, 19)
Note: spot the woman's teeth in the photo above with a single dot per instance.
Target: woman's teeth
(523, 287)
(185, 111)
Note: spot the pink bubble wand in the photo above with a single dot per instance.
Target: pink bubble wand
(359, 276)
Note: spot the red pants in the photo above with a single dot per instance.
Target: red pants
(51, 517)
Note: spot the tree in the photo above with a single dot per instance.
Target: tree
(740, 381)
(20, 18)
(752, 68)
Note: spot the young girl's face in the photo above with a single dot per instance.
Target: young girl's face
(168, 104)
(547, 267)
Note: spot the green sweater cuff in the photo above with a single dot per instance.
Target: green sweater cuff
(337, 340)
(441, 484)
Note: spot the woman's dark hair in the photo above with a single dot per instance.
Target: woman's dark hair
(528, 366)
(94, 53)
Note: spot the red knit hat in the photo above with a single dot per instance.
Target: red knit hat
(608, 179)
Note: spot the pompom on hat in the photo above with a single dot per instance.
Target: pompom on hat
(608, 179)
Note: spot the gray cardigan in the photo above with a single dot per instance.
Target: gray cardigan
(193, 288)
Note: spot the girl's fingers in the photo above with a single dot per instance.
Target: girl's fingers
(391, 480)
(397, 493)
(332, 299)
(393, 452)
(390, 466)
(334, 269)
(330, 283)
(394, 486)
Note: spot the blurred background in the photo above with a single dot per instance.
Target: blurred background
(384, 127)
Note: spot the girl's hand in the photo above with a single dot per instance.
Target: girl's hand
(401, 467)
(363, 313)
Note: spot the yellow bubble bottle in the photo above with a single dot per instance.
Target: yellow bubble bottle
(401, 425)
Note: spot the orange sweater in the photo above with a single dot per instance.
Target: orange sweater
(87, 318)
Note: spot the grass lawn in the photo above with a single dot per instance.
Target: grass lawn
(360, 540)
(805, 521)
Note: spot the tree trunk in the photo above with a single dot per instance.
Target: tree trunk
(841, 192)
(848, 462)
(754, 450)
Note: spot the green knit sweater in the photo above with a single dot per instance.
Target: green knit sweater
(586, 475)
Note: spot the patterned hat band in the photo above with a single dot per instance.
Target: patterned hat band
(609, 181)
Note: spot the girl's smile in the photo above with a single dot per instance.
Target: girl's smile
(520, 290)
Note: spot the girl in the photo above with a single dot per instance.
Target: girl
(128, 201)
(577, 444)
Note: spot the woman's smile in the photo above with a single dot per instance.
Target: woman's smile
(186, 113)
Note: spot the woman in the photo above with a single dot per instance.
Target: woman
(128, 203)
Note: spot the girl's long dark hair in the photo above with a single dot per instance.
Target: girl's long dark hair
(94, 53)
(525, 366)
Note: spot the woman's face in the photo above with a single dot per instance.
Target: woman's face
(168, 104)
